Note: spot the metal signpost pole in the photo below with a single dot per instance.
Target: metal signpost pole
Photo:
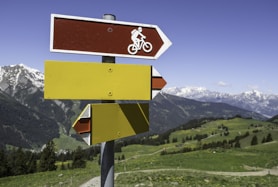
(108, 38)
(107, 148)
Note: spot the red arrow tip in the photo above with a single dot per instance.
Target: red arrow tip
(83, 125)
(158, 83)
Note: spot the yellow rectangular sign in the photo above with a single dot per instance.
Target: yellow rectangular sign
(99, 81)
(111, 121)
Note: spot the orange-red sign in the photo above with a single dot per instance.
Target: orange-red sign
(71, 34)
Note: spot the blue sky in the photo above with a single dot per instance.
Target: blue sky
(223, 45)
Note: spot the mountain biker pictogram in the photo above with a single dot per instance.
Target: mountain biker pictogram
(138, 42)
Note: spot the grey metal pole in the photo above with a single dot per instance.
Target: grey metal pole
(107, 148)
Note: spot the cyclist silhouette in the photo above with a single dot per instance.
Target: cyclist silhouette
(137, 36)
(138, 42)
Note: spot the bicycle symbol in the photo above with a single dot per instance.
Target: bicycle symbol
(138, 42)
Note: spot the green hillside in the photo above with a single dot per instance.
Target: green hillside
(214, 131)
(227, 130)
(185, 161)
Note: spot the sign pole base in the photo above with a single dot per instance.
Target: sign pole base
(107, 164)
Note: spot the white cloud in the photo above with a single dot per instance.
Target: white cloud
(253, 87)
(222, 84)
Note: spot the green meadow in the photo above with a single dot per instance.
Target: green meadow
(145, 165)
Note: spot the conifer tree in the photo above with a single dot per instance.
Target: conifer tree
(11, 162)
(123, 157)
(20, 162)
(48, 158)
(31, 163)
(3, 164)
(263, 141)
(78, 158)
(237, 144)
(254, 140)
(269, 138)
(63, 167)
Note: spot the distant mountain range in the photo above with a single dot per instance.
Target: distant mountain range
(29, 121)
(254, 100)
(171, 111)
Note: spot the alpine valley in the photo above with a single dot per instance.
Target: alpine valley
(28, 120)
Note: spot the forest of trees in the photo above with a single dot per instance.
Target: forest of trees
(21, 162)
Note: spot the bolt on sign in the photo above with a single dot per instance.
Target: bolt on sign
(81, 35)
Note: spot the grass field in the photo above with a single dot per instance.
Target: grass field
(144, 165)
(216, 160)
(186, 179)
(59, 178)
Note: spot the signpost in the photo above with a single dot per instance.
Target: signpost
(127, 119)
(107, 81)
(81, 35)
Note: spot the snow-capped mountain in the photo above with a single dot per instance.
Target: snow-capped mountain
(24, 117)
(21, 78)
(251, 100)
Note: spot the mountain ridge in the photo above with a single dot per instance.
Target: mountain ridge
(265, 104)
(22, 126)
(181, 110)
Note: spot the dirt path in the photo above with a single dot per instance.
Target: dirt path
(95, 182)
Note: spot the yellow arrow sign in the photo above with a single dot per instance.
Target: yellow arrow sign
(101, 81)
(110, 121)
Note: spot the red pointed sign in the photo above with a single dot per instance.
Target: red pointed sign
(83, 125)
(71, 34)
(157, 82)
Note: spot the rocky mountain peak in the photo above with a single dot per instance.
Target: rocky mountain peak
(20, 77)
(254, 94)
